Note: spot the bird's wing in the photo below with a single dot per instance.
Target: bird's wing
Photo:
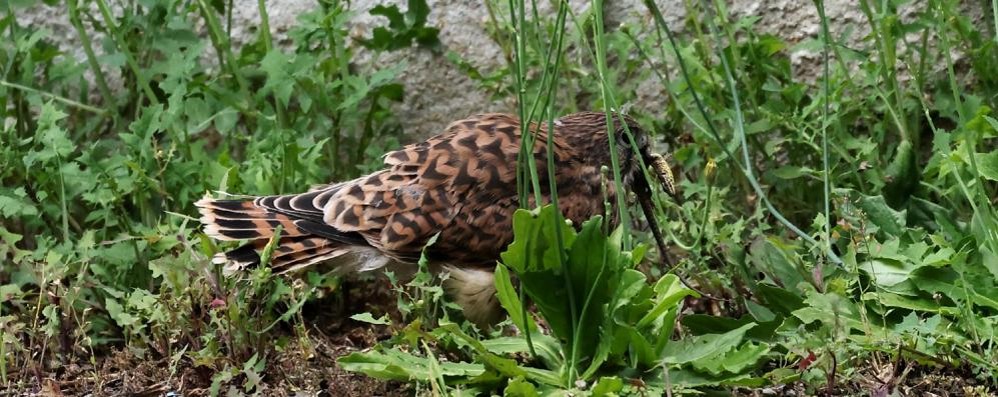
(419, 194)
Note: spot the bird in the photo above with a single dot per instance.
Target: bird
(459, 186)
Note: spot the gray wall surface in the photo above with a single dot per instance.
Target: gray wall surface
(437, 92)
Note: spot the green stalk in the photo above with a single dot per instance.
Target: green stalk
(282, 117)
(343, 70)
(577, 318)
(3, 351)
(663, 78)
(74, 18)
(970, 140)
(994, 14)
(261, 6)
(228, 21)
(698, 242)
(123, 47)
(54, 97)
(888, 60)
(526, 165)
(222, 47)
(746, 170)
(826, 180)
(608, 101)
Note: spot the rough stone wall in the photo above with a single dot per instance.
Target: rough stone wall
(437, 92)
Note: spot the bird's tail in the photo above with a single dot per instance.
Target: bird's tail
(245, 220)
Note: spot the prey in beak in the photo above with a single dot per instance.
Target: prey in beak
(663, 173)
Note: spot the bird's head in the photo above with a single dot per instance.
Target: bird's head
(589, 130)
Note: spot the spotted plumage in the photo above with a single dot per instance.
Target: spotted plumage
(460, 184)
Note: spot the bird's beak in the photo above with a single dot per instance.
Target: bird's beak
(664, 174)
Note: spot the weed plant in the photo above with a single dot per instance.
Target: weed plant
(842, 232)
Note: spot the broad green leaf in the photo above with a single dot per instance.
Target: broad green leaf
(697, 347)
(700, 324)
(530, 229)
(989, 300)
(733, 361)
(668, 292)
(887, 272)
(632, 284)
(510, 300)
(547, 348)
(7, 244)
(607, 386)
(774, 258)
(872, 211)
(504, 366)
(895, 300)
(939, 280)
(778, 299)
(118, 313)
(901, 176)
(401, 366)
(51, 326)
(9, 292)
(791, 172)
(760, 313)
(981, 224)
(691, 378)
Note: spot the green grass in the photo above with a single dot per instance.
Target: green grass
(841, 226)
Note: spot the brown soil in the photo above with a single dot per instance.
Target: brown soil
(305, 367)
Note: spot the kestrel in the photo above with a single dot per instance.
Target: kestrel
(461, 184)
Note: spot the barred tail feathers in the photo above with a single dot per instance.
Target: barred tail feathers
(302, 242)
(232, 220)
(235, 220)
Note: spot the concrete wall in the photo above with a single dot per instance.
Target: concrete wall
(437, 92)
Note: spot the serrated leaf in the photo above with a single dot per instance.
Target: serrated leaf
(369, 318)
(118, 314)
(886, 218)
(16, 205)
(987, 165)
(279, 81)
(401, 366)
(913, 324)
(518, 387)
